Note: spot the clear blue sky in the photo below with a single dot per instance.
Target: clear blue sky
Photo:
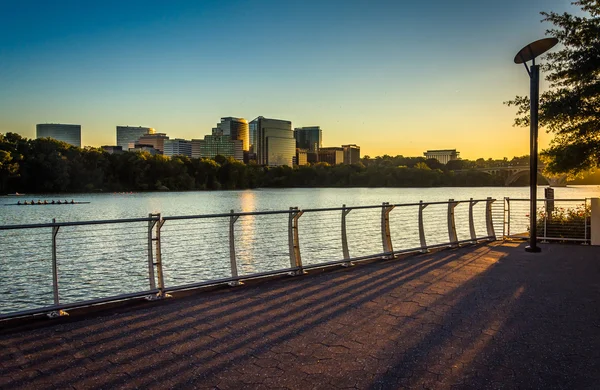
(395, 77)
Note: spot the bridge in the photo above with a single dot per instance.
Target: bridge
(512, 173)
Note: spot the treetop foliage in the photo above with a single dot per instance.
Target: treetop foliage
(570, 109)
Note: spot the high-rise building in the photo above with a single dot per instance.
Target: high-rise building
(443, 155)
(177, 147)
(235, 128)
(351, 154)
(309, 138)
(70, 134)
(128, 135)
(217, 145)
(274, 142)
(332, 155)
(156, 140)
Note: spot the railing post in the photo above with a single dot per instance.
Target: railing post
(151, 276)
(294, 241)
(488, 219)
(232, 259)
(545, 219)
(507, 199)
(56, 299)
(54, 263)
(159, 267)
(451, 226)
(386, 237)
(422, 240)
(345, 250)
(471, 221)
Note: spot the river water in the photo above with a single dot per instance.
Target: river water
(100, 261)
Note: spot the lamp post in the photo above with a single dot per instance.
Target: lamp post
(529, 53)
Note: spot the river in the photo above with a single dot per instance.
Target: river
(99, 261)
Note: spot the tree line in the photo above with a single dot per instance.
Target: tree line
(50, 166)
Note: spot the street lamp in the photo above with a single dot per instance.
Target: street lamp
(528, 53)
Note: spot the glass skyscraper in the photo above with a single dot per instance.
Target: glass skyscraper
(236, 128)
(70, 134)
(274, 142)
(128, 135)
(309, 138)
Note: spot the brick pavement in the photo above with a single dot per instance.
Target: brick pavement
(489, 316)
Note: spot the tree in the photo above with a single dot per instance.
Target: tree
(571, 107)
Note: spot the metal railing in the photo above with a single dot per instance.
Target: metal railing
(556, 219)
(48, 268)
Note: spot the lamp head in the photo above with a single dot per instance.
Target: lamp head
(535, 49)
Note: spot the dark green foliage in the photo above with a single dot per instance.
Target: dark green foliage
(46, 165)
(571, 107)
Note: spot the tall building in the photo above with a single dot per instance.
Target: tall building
(217, 145)
(177, 147)
(70, 134)
(128, 135)
(235, 128)
(443, 155)
(351, 154)
(273, 142)
(156, 140)
(332, 155)
(309, 138)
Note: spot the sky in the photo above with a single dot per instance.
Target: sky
(395, 77)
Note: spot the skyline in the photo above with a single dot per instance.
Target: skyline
(393, 78)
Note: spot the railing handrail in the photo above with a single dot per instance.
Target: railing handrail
(227, 215)
(554, 199)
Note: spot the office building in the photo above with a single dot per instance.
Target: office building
(70, 134)
(235, 128)
(332, 155)
(443, 155)
(309, 138)
(110, 149)
(177, 147)
(156, 140)
(127, 136)
(144, 148)
(273, 141)
(301, 157)
(217, 145)
(351, 154)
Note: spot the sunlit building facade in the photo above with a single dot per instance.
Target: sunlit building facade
(70, 134)
(309, 138)
(442, 155)
(178, 147)
(274, 142)
(301, 157)
(331, 155)
(351, 154)
(235, 128)
(156, 140)
(127, 136)
(217, 145)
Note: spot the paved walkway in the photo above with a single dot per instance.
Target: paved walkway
(490, 316)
